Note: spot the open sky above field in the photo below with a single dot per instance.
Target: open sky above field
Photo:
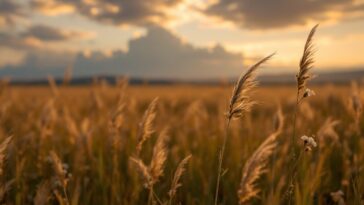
(175, 38)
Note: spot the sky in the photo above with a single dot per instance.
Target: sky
(175, 39)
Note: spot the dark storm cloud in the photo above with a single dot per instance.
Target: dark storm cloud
(119, 12)
(267, 14)
(9, 12)
(159, 54)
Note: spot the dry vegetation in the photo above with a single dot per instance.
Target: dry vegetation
(104, 144)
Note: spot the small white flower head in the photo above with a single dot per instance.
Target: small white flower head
(338, 197)
(308, 142)
(308, 93)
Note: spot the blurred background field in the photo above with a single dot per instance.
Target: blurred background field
(78, 124)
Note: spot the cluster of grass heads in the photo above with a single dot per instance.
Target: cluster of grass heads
(107, 144)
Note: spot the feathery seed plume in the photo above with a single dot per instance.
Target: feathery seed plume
(146, 125)
(240, 101)
(306, 63)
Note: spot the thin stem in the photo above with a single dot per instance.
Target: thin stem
(170, 201)
(65, 194)
(221, 158)
(156, 197)
(293, 137)
(292, 180)
(150, 197)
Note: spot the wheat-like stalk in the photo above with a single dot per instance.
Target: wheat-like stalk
(58, 168)
(154, 171)
(52, 83)
(159, 157)
(303, 76)
(328, 130)
(240, 102)
(4, 145)
(144, 171)
(176, 178)
(306, 62)
(255, 167)
(4, 187)
(61, 173)
(146, 125)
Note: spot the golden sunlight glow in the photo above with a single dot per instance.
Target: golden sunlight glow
(51, 8)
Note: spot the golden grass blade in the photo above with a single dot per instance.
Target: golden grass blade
(52, 83)
(306, 62)
(144, 171)
(176, 178)
(327, 130)
(3, 148)
(159, 157)
(58, 169)
(240, 101)
(256, 166)
(146, 125)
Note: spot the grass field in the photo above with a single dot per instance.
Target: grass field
(78, 145)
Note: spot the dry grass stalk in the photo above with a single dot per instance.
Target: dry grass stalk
(356, 104)
(256, 166)
(96, 99)
(328, 130)
(4, 187)
(278, 120)
(117, 118)
(306, 62)
(58, 168)
(176, 178)
(70, 124)
(3, 148)
(144, 170)
(43, 193)
(154, 171)
(159, 157)
(146, 125)
(53, 85)
(240, 101)
(61, 173)
(303, 76)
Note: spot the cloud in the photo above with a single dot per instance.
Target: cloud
(10, 12)
(36, 36)
(16, 42)
(121, 12)
(158, 54)
(47, 33)
(39, 64)
(51, 7)
(268, 14)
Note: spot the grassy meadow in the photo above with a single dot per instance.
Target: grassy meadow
(82, 145)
